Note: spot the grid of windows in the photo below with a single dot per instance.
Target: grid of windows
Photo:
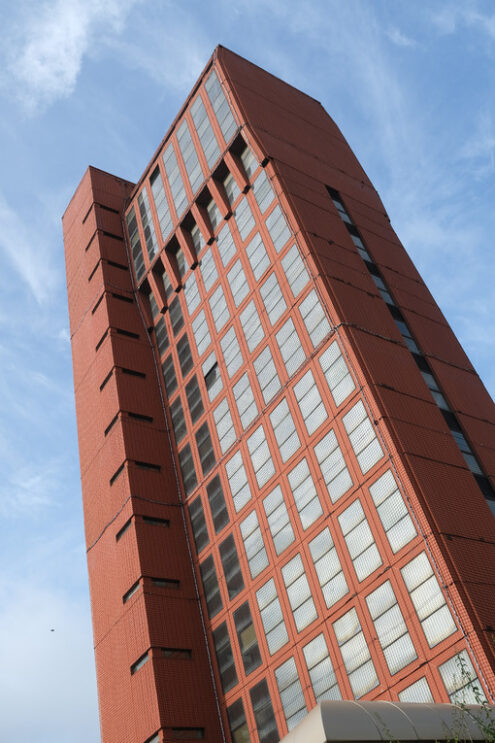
(314, 318)
(246, 634)
(266, 374)
(244, 218)
(219, 309)
(147, 224)
(299, 593)
(390, 627)
(201, 333)
(245, 401)
(460, 680)
(210, 586)
(277, 227)
(392, 511)
(161, 203)
(321, 673)
(278, 520)
(205, 132)
(231, 351)
(273, 299)
(290, 347)
(225, 426)
(263, 192)
(175, 180)
(257, 256)
(208, 269)
(333, 466)
(337, 374)
(225, 659)
(359, 540)
(417, 692)
(304, 493)
(310, 403)
(254, 544)
(429, 603)
(231, 568)
(191, 294)
(220, 106)
(328, 568)
(238, 482)
(251, 325)
(355, 654)
(284, 430)
(237, 282)
(190, 156)
(212, 377)
(263, 713)
(295, 270)
(272, 617)
(362, 436)
(291, 693)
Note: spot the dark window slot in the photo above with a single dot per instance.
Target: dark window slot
(180, 653)
(188, 733)
(139, 663)
(87, 213)
(139, 417)
(97, 304)
(117, 473)
(114, 264)
(122, 298)
(106, 379)
(132, 372)
(113, 236)
(147, 466)
(127, 333)
(372, 268)
(166, 582)
(451, 420)
(132, 590)
(352, 230)
(156, 521)
(486, 487)
(123, 530)
(111, 424)
(396, 313)
(422, 362)
(93, 272)
(101, 340)
(108, 208)
(90, 242)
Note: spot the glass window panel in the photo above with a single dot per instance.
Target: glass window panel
(257, 256)
(290, 347)
(237, 723)
(261, 459)
(251, 325)
(169, 375)
(176, 316)
(147, 224)
(310, 403)
(305, 496)
(328, 568)
(210, 586)
(355, 654)
(460, 680)
(295, 271)
(205, 448)
(284, 430)
(185, 356)
(263, 192)
(201, 332)
(190, 157)
(161, 335)
(231, 567)
(246, 635)
(359, 540)
(194, 400)
(278, 520)
(225, 426)
(238, 283)
(253, 544)
(245, 402)
(231, 188)
(321, 673)
(212, 377)
(266, 374)
(291, 693)
(216, 500)
(187, 469)
(161, 203)
(205, 132)
(231, 352)
(419, 692)
(198, 524)
(333, 467)
(238, 482)
(390, 627)
(299, 593)
(191, 294)
(213, 214)
(178, 420)
(225, 244)
(176, 183)
(314, 318)
(263, 713)
(135, 243)
(225, 659)
(249, 161)
(272, 297)
(219, 309)
(244, 218)
(220, 106)
(392, 511)
(208, 269)
(362, 436)
(272, 617)
(277, 227)
(337, 374)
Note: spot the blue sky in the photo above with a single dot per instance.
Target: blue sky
(411, 85)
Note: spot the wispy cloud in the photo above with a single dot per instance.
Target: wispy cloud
(29, 488)
(51, 38)
(398, 38)
(478, 151)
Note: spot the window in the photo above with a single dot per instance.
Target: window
(175, 180)
(187, 469)
(176, 317)
(211, 373)
(231, 352)
(237, 723)
(191, 293)
(392, 511)
(277, 227)
(169, 290)
(132, 590)
(266, 374)
(205, 448)
(278, 520)
(246, 636)
(198, 524)
(208, 269)
(314, 318)
(260, 457)
(310, 403)
(321, 673)
(263, 713)
(218, 509)
(161, 203)
(213, 214)
(161, 335)
(225, 659)
(355, 654)
(139, 663)
(254, 544)
(225, 244)
(284, 430)
(225, 426)
(299, 593)
(231, 188)
(249, 161)
(291, 693)
(390, 627)
(290, 348)
(272, 617)
(333, 467)
(238, 482)
(153, 306)
(201, 332)
(178, 420)
(429, 603)
(219, 309)
(460, 679)
(147, 223)
(359, 540)
(245, 402)
(251, 325)
(169, 375)
(295, 271)
(210, 586)
(178, 653)
(417, 692)
(334, 195)
(205, 132)
(305, 496)
(273, 299)
(194, 400)
(185, 356)
(244, 218)
(220, 106)
(362, 436)
(188, 733)
(338, 376)
(328, 568)
(257, 256)
(197, 238)
(238, 283)
(182, 264)
(231, 568)
(135, 243)
(263, 192)
(190, 157)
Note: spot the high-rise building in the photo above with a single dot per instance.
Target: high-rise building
(287, 458)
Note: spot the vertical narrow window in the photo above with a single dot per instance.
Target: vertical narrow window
(176, 316)
(237, 722)
(314, 318)
(257, 256)
(220, 105)
(355, 654)
(271, 294)
(284, 430)
(201, 332)
(167, 285)
(272, 617)
(263, 192)
(169, 376)
(225, 426)
(205, 132)
(295, 270)
(392, 511)
(147, 223)
(263, 713)
(218, 508)
(254, 544)
(305, 496)
(219, 309)
(231, 188)
(231, 567)
(278, 520)
(277, 227)
(328, 568)
(175, 180)
(194, 400)
(251, 325)
(244, 218)
(460, 680)
(261, 458)
(208, 270)
(205, 448)
(249, 161)
(310, 403)
(185, 356)
(359, 540)
(225, 659)
(198, 524)
(246, 634)
(161, 336)
(197, 239)
(390, 627)
(290, 347)
(339, 379)
(210, 586)
(333, 466)
(231, 352)
(191, 293)
(299, 593)
(225, 244)
(153, 306)
(212, 377)
(135, 243)
(362, 436)
(266, 374)
(291, 693)
(190, 157)
(213, 214)
(161, 203)
(238, 283)
(321, 673)
(187, 469)
(178, 420)
(238, 482)
(244, 398)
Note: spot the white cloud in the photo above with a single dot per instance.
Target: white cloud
(29, 487)
(398, 38)
(479, 150)
(51, 40)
